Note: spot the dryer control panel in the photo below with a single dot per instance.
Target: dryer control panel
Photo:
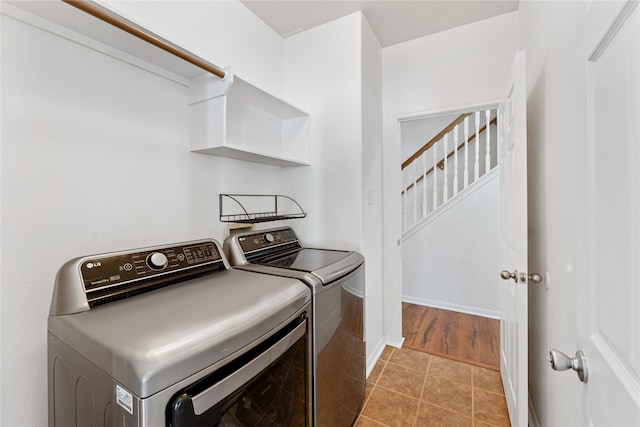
(266, 239)
(109, 271)
(85, 282)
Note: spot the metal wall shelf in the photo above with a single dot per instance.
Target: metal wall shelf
(256, 208)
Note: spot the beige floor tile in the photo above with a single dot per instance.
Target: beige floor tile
(487, 379)
(434, 416)
(390, 408)
(450, 370)
(403, 380)
(490, 408)
(410, 359)
(375, 372)
(448, 394)
(386, 353)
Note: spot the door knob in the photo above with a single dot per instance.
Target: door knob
(535, 278)
(506, 275)
(561, 362)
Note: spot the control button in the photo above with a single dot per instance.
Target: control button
(128, 266)
(268, 238)
(157, 260)
(180, 257)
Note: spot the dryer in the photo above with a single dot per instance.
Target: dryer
(337, 282)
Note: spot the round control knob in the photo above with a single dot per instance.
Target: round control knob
(268, 238)
(157, 260)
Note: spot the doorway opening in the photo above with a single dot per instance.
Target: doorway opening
(449, 195)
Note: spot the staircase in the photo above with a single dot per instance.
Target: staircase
(452, 163)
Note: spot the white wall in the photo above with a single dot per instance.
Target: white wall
(462, 67)
(551, 34)
(454, 68)
(323, 75)
(335, 71)
(95, 157)
(371, 228)
(451, 262)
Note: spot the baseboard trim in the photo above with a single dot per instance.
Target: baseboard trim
(396, 344)
(375, 355)
(451, 307)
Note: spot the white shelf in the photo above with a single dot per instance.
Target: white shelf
(229, 118)
(232, 118)
(239, 153)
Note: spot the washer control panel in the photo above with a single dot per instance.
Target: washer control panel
(109, 271)
(266, 239)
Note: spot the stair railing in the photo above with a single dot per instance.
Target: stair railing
(427, 174)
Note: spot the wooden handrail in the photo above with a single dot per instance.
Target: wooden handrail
(435, 139)
(440, 164)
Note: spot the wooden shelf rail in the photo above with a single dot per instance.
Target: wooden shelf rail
(118, 21)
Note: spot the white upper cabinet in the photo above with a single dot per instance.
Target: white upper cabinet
(230, 117)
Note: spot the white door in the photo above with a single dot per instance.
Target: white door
(512, 152)
(609, 245)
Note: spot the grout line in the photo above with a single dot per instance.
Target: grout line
(424, 383)
(375, 384)
(398, 392)
(375, 421)
(366, 402)
(407, 367)
(453, 411)
(384, 366)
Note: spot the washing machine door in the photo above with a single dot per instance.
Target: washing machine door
(269, 386)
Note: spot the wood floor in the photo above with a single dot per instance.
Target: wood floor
(463, 337)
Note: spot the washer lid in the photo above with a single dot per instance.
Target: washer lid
(306, 259)
(152, 341)
(315, 267)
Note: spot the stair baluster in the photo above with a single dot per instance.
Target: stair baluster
(435, 176)
(424, 186)
(445, 189)
(455, 161)
(476, 164)
(487, 156)
(466, 152)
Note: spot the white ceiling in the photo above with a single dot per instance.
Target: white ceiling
(392, 21)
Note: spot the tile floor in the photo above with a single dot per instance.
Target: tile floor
(410, 388)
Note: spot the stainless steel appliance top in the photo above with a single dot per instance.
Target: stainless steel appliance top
(161, 318)
(277, 251)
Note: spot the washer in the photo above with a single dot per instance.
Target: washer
(336, 280)
(171, 336)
